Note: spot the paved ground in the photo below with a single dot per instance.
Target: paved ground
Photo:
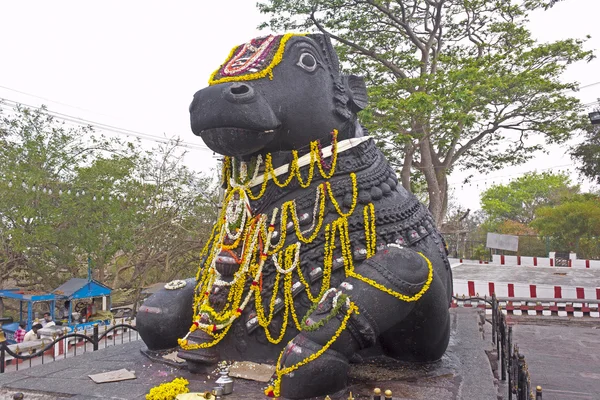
(563, 355)
(555, 276)
(463, 373)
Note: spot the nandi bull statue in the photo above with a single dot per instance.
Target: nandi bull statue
(318, 253)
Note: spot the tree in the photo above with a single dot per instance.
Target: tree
(110, 211)
(453, 83)
(461, 229)
(587, 153)
(177, 220)
(39, 165)
(518, 200)
(69, 196)
(571, 222)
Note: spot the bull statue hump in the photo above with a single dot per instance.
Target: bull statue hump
(318, 256)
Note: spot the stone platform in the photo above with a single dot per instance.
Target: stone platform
(463, 373)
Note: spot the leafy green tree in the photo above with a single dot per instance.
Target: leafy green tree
(587, 153)
(68, 195)
(177, 220)
(453, 83)
(518, 200)
(39, 159)
(571, 223)
(111, 213)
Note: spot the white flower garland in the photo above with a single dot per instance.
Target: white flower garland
(294, 263)
(318, 194)
(175, 284)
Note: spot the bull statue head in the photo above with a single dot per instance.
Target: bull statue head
(277, 93)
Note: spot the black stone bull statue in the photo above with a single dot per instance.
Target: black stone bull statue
(319, 255)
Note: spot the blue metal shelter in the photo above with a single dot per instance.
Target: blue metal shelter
(79, 288)
(28, 299)
(72, 290)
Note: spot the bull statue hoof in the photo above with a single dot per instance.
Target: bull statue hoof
(165, 316)
(318, 253)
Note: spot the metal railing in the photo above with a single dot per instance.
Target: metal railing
(63, 341)
(512, 364)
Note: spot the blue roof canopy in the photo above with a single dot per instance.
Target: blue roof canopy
(79, 288)
(74, 288)
(22, 295)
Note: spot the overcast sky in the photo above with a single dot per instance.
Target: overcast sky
(136, 64)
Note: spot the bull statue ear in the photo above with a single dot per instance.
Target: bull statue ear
(356, 90)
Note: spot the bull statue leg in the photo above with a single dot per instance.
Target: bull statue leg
(402, 331)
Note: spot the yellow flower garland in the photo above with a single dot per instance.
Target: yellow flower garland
(262, 190)
(370, 233)
(291, 175)
(253, 256)
(276, 388)
(168, 390)
(260, 312)
(318, 219)
(341, 225)
(354, 197)
(315, 149)
(226, 318)
(290, 300)
(293, 171)
(184, 344)
(311, 167)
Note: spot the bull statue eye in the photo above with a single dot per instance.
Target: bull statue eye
(307, 62)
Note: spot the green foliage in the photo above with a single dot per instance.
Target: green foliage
(39, 154)
(68, 194)
(587, 153)
(480, 252)
(571, 223)
(519, 200)
(451, 83)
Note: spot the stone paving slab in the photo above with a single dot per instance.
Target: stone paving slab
(463, 373)
(563, 357)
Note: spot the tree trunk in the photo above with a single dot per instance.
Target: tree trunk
(117, 279)
(136, 299)
(437, 185)
(100, 272)
(442, 179)
(409, 152)
(438, 200)
(436, 207)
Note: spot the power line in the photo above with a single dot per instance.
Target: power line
(591, 104)
(493, 178)
(44, 98)
(581, 87)
(588, 85)
(106, 127)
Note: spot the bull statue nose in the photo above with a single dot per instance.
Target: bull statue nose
(238, 92)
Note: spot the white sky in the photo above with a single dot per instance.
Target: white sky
(136, 64)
